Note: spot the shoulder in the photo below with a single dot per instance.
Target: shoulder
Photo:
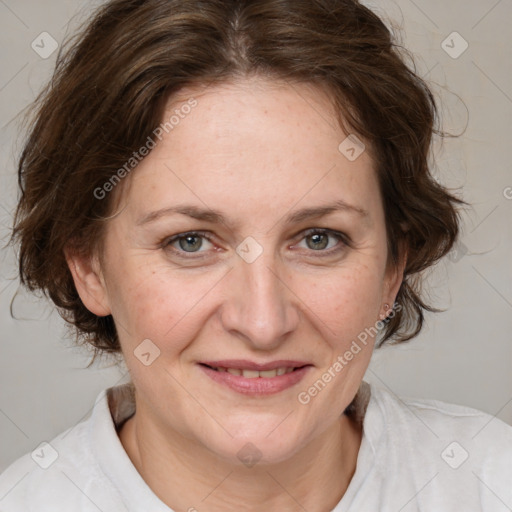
(441, 418)
(56, 473)
(452, 446)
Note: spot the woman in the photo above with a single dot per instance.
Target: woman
(235, 197)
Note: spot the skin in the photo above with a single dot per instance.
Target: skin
(257, 151)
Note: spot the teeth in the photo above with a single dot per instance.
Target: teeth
(253, 374)
(267, 373)
(250, 374)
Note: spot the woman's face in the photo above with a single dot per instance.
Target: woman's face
(265, 289)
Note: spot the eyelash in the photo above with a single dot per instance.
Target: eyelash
(345, 242)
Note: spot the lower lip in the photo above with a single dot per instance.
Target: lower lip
(258, 385)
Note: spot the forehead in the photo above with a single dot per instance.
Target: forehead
(252, 146)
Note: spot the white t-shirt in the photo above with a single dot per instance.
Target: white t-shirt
(415, 455)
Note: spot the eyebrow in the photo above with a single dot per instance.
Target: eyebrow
(217, 217)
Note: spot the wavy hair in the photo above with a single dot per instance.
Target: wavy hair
(110, 87)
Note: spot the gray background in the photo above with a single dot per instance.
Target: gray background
(463, 355)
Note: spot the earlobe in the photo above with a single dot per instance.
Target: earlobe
(89, 282)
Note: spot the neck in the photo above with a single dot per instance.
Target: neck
(314, 478)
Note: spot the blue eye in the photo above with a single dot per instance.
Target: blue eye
(319, 240)
(191, 242)
(188, 241)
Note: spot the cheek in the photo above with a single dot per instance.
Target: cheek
(170, 307)
(347, 301)
(153, 302)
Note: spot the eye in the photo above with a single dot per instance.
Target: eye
(188, 242)
(317, 240)
(185, 244)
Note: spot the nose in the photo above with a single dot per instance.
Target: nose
(259, 306)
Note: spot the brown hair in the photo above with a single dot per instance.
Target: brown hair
(113, 79)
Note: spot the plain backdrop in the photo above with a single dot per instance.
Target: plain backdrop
(463, 355)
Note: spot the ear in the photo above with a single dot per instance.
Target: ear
(394, 277)
(89, 281)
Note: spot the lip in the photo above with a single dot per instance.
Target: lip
(258, 386)
(244, 364)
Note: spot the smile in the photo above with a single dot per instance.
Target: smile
(253, 374)
(251, 381)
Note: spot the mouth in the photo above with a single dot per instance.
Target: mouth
(254, 374)
(251, 378)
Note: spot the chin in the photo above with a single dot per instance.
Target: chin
(250, 452)
(260, 443)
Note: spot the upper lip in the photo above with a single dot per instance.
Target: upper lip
(244, 364)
